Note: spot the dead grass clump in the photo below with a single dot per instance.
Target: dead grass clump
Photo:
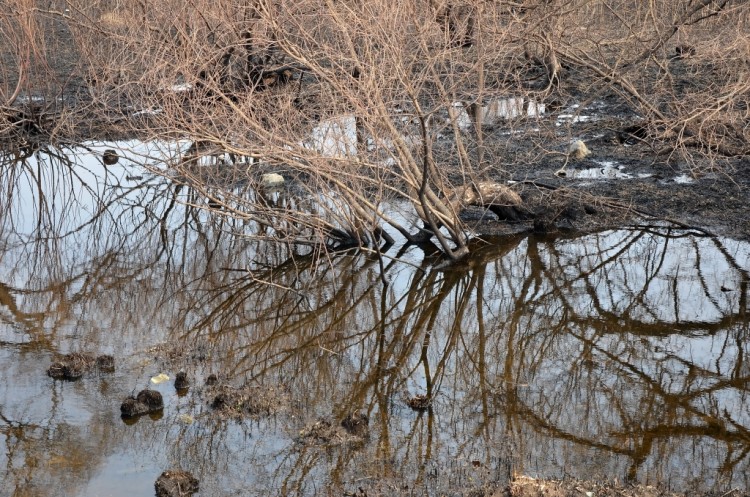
(176, 484)
(250, 401)
(353, 429)
(74, 366)
(419, 402)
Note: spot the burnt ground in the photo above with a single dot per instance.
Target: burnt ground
(528, 152)
(624, 184)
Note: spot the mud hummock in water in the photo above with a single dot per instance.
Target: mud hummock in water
(249, 401)
(147, 401)
(357, 424)
(73, 366)
(176, 484)
(181, 381)
(419, 402)
(353, 429)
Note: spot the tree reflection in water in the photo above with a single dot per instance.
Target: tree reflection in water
(619, 354)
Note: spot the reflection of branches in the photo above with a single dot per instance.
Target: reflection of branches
(329, 323)
(562, 337)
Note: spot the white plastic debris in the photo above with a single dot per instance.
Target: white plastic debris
(159, 378)
(578, 149)
(270, 180)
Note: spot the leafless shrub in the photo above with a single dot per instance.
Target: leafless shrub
(364, 106)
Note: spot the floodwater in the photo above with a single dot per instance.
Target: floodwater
(620, 354)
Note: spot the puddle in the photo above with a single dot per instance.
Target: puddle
(684, 179)
(605, 170)
(335, 137)
(617, 354)
(497, 110)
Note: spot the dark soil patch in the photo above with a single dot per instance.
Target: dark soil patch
(74, 366)
(638, 185)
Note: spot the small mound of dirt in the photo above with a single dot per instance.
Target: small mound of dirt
(250, 401)
(419, 402)
(146, 402)
(181, 381)
(357, 424)
(105, 363)
(150, 398)
(110, 157)
(176, 484)
(74, 366)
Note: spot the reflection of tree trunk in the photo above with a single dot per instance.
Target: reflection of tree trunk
(382, 396)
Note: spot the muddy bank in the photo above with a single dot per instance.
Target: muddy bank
(619, 184)
(525, 486)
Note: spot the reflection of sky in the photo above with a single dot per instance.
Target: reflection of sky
(74, 187)
(648, 278)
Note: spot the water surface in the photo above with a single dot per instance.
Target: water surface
(619, 354)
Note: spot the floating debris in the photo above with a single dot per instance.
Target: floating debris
(186, 419)
(354, 429)
(357, 424)
(105, 363)
(159, 378)
(251, 401)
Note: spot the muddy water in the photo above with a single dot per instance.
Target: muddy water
(620, 354)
